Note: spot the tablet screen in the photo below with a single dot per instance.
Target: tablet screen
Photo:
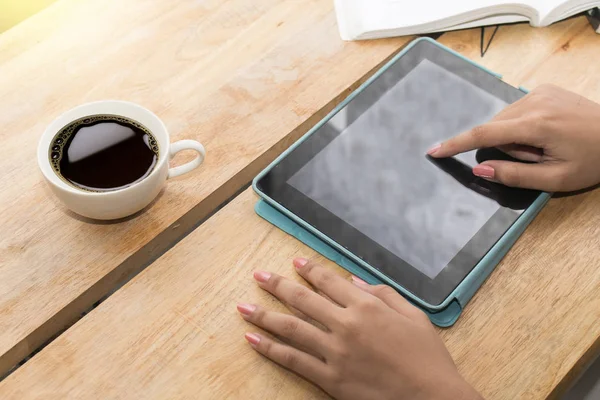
(375, 175)
(363, 180)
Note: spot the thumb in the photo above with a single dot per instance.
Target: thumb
(539, 176)
(391, 298)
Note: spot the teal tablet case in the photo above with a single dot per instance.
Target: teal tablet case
(444, 314)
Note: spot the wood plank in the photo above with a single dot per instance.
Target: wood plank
(173, 331)
(244, 78)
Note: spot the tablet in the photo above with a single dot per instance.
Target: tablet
(362, 177)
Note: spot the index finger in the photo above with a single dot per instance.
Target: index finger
(492, 134)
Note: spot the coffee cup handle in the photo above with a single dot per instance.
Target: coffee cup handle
(187, 167)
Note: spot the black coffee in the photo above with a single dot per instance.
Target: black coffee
(103, 153)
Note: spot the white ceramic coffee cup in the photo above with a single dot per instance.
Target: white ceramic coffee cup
(122, 202)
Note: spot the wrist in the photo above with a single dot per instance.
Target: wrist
(461, 390)
(457, 389)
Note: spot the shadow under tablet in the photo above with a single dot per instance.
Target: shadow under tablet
(509, 197)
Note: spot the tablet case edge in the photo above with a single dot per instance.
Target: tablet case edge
(444, 318)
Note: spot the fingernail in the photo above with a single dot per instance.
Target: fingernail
(356, 279)
(262, 276)
(246, 309)
(300, 262)
(434, 149)
(252, 338)
(484, 171)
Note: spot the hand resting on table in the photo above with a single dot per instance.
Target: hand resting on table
(374, 344)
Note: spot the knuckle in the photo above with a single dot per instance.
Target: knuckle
(324, 278)
(478, 133)
(371, 305)
(290, 328)
(511, 175)
(537, 122)
(309, 268)
(289, 360)
(258, 316)
(383, 291)
(537, 98)
(449, 144)
(528, 102)
(310, 271)
(540, 117)
(544, 102)
(298, 296)
(351, 325)
(341, 352)
(275, 282)
(266, 347)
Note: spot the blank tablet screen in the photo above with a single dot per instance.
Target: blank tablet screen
(375, 175)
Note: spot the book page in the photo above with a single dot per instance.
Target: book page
(567, 8)
(367, 19)
(545, 7)
(495, 20)
(390, 14)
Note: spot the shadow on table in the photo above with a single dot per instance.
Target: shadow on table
(577, 192)
(514, 198)
(86, 220)
(509, 197)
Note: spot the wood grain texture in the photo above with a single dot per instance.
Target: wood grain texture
(244, 78)
(173, 331)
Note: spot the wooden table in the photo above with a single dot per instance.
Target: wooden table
(244, 78)
(172, 331)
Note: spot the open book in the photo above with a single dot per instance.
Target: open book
(370, 19)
